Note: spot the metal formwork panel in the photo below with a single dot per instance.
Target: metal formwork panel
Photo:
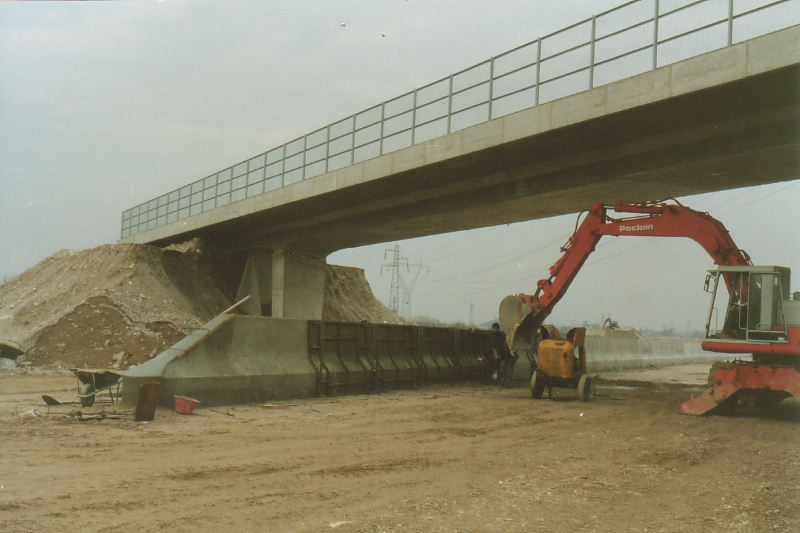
(354, 358)
(341, 342)
(397, 367)
(314, 355)
(337, 351)
(437, 348)
(469, 346)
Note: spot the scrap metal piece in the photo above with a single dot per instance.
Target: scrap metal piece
(148, 400)
(10, 349)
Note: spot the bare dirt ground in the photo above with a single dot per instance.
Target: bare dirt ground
(461, 457)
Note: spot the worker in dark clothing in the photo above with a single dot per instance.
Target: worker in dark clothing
(507, 373)
(498, 352)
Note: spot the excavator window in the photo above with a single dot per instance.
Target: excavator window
(754, 309)
(766, 320)
(735, 323)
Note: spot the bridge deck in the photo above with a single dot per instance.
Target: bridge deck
(724, 119)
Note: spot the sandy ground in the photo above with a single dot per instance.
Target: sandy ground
(452, 458)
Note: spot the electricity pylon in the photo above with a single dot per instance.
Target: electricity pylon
(394, 291)
(401, 307)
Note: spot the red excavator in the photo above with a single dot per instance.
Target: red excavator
(759, 316)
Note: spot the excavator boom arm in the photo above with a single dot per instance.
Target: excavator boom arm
(521, 319)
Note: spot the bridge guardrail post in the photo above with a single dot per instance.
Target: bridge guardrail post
(305, 151)
(414, 117)
(327, 147)
(383, 111)
(491, 86)
(538, 64)
(353, 146)
(450, 104)
(591, 53)
(283, 166)
(730, 22)
(655, 36)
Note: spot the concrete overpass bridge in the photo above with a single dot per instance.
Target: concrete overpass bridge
(655, 98)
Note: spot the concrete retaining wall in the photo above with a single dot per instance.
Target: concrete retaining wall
(248, 359)
(238, 359)
(605, 354)
(620, 354)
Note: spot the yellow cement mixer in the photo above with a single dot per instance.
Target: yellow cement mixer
(561, 363)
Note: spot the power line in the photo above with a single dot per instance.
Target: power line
(407, 289)
(559, 238)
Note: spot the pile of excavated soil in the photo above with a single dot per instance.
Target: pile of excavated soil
(119, 305)
(83, 308)
(614, 333)
(349, 298)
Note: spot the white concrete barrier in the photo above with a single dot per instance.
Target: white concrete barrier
(604, 354)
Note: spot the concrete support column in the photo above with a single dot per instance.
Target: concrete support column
(298, 285)
(257, 283)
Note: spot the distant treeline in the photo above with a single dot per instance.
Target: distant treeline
(665, 331)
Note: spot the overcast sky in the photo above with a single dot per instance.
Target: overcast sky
(104, 105)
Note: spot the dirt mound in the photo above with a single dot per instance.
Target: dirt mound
(84, 307)
(614, 333)
(127, 302)
(349, 298)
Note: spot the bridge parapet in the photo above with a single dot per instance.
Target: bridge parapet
(636, 37)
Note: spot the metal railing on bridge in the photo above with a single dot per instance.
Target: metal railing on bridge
(633, 38)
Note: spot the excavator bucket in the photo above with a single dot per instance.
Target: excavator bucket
(520, 322)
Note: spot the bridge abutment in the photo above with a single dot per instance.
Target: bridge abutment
(283, 284)
(298, 285)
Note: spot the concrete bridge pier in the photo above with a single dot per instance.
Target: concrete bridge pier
(283, 283)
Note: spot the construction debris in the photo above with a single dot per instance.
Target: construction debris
(30, 413)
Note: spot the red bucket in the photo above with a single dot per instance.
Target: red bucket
(185, 405)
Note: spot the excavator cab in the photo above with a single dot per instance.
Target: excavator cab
(756, 315)
(752, 311)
